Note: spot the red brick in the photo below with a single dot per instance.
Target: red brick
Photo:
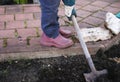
(34, 23)
(15, 24)
(24, 16)
(116, 4)
(2, 10)
(24, 33)
(82, 2)
(100, 14)
(70, 28)
(7, 34)
(61, 21)
(84, 25)
(39, 31)
(35, 41)
(16, 42)
(100, 3)
(2, 25)
(14, 9)
(6, 17)
(91, 8)
(61, 12)
(37, 16)
(77, 7)
(64, 21)
(83, 13)
(79, 19)
(1, 43)
(32, 9)
(111, 1)
(93, 20)
(112, 9)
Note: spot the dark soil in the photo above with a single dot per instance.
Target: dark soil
(61, 69)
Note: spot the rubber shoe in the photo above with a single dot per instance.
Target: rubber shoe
(65, 33)
(59, 42)
(112, 23)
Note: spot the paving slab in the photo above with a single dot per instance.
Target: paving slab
(20, 29)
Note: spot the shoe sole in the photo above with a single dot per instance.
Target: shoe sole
(55, 45)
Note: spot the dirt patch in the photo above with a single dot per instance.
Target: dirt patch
(61, 69)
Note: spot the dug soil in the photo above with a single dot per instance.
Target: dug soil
(62, 69)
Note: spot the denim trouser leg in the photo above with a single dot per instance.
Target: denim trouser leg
(49, 19)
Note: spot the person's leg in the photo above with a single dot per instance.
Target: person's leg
(49, 21)
(50, 25)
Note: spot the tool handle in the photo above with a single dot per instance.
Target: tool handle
(83, 44)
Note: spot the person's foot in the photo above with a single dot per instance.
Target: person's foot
(59, 41)
(65, 33)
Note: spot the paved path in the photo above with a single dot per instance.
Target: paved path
(20, 29)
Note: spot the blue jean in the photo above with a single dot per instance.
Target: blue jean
(49, 18)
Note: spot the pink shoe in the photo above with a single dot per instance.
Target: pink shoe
(59, 42)
(65, 33)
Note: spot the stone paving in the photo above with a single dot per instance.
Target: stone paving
(20, 29)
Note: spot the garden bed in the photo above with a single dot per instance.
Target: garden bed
(61, 69)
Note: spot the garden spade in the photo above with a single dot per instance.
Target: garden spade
(89, 77)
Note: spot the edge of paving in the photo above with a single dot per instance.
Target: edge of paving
(109, 43)
(33, 52)
(48, 52)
